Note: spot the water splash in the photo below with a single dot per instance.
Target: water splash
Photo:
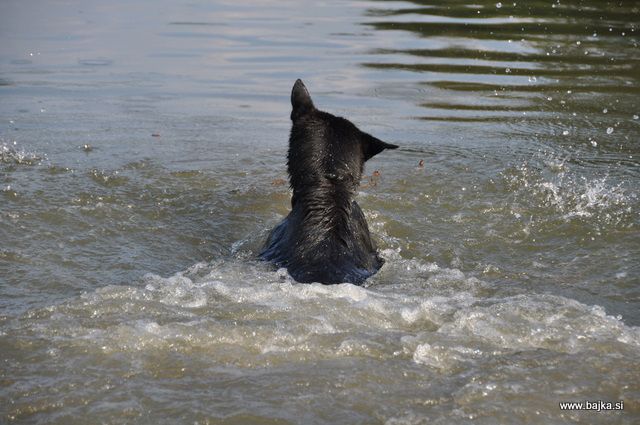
(10, 154)
(560, 190)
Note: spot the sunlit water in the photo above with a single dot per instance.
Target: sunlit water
(142, 152)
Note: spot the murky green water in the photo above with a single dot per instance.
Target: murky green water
(142, 152)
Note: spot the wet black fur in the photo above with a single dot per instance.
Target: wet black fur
(325, 237)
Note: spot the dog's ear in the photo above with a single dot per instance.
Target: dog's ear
(372, 146)
(300, 100)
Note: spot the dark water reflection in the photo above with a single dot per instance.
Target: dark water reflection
(573, 63)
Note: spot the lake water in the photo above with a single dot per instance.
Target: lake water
(142, 158)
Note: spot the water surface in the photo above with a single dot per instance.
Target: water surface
(142, 158)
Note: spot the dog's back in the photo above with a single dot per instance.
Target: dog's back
(325, 237)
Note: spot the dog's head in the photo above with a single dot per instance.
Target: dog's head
(325, 149)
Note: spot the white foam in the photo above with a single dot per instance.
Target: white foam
(541, 321)
(247, 316)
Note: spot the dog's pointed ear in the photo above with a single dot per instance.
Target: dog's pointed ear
(300, 100)
(372, 146)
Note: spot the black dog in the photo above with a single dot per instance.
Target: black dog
(325, 237)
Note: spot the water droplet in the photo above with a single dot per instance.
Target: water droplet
(549, 98)
(565, 133)
(635, 117)
(498, 5)
(609, 130)
(594, 143)
(578, 42)
(605, 110)
(508, 70)
(569, 91)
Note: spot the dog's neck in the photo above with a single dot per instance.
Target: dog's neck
(324, 207)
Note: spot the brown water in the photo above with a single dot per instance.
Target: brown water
(141, 151)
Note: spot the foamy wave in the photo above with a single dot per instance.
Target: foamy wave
(247, 315)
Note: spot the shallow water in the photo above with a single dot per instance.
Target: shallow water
(142, 153)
